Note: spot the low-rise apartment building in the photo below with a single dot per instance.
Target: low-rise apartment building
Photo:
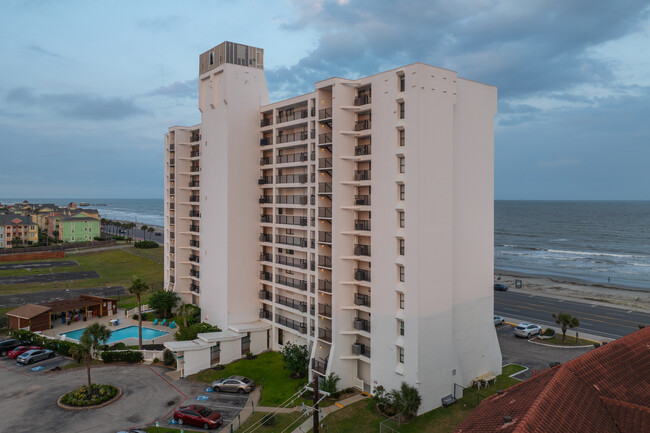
(77, 228)
(356, 219)
(17, 227)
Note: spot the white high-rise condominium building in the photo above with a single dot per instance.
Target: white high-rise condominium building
(356, 219)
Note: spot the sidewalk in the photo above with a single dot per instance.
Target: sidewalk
(591, 337)
(308, 424)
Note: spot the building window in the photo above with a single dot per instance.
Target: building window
(402, 164)
(400, 217)
(401, 327)
(402, 192)
(402, 82)
(401, 137)
(401, 301)
(401, 355)
(401, 247)
(211, 59)
(400, 271)
(401, 110)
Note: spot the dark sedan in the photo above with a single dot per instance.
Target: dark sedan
(7, 346)
(198, 415)
(501, 287)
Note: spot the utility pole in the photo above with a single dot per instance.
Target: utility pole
(316, 417)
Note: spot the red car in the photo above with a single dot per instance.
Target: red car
(20, 350)
(198, 415)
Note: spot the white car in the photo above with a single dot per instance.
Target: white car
(498, 320)
(527, 330)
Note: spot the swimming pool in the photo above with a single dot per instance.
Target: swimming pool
(121, 334)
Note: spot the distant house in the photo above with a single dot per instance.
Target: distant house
(20, 227)
(78, 228)
(2, 236)
(606, 390)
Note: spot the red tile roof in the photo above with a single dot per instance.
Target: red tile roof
(605, 390)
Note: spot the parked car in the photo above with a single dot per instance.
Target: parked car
(20, 350)
(238, 384)
(32, 356)
(498, 320)
(527, 330)
(133, 430)
(8, 345)
(158, 234)
(501, 287)
(198, 415)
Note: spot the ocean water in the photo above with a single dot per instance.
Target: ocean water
(142, 211)
(602, 242)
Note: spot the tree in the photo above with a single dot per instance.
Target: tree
(163, 301)
(411, 400)
(90, 341)
(184, 311)
(138, 287)
(295, 359)
(150, 230)
(144, 229)
(564, 320)
(16, 242)
(330, 383)
(186, 333)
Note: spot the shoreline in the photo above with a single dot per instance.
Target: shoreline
(567, 287)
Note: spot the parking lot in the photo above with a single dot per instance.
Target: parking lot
(29, 397)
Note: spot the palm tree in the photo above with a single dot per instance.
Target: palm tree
(185, 310)
(144, 229)
(564, 320)
(151, 230)
(138, 287)
(90, 341)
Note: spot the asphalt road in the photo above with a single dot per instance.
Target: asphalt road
(37, 265)
(594, 319)
(17, 299)
(49, 278)
(136, 233)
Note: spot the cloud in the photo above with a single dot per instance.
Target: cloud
(178, 89)
(77, 105)
(41, 50)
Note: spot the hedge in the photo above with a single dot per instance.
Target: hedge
(145, 244)
(130, 356)
(61, 347)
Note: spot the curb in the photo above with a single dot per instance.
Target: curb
(517, 373)
(99, 406)
(560, 347)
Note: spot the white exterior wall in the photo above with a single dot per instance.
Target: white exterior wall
(258, 342)
(230, 351)
(195, 361)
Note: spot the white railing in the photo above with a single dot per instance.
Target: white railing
(357, 383)
(133, 311)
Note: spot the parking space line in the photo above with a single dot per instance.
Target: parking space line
(15, 371)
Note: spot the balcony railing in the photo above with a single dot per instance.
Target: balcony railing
(193, 183)
(266, 276)
(301, 114)
(324, 212)
(362, 100)
(195, 198)
(319, 366)
(172, 162)
(362, 250)
(361, 299)
(195, 273)
(266, 160)
(172, 191)
(266, 237)
(291, 199)
(291, 220)
(361, 349)
(362, 275)
(363, 149)
(361, 125)
(294, 136)
(266, 141)
(325, 187)
(291, 240)
(325, 113)
(266, 257)
(325, 334)
(265, 180)
(172, 147)
(362, 200)
(195, 153)
(324, 138)
(194, 228)
(291, 303)
(194, 259)
(325, 310)
(292, 178)
(362, 225)
(194, 138)
(266, 199)
(266, 121)
(266, 218)
(172, 250)
(293, 324)
(362, 175)
(325, 237)
(325, 286)
(291, 282)
(194, 288)
(194, 243)
(291, 261)
(294, 157)
(194, 213)
(324, 261)
(266, 314)
(195, 169)
(265, 295)
(361, 324)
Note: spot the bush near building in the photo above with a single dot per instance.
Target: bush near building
(129, 356)
(145, 244)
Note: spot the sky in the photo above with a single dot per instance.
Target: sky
(89, 88)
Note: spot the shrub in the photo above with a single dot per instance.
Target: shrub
(269, 420)
(118, 346)
(330, 383)
(155, 361)
(250, 355)
(145, 244)
(191, 331)
(99, 238)
(168, 357)
(548, 331)
(130, 356)
(163, 301)
(79, 397)
(119, 238)
(295, 359)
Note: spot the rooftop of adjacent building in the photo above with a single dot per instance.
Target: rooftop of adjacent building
(14, 219)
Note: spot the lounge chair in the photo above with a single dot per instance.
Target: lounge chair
(163, 322)
(155, 321)
(172, 325)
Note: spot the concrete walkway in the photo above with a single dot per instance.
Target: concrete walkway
(308, 424)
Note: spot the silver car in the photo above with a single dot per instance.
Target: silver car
(527, 330)
(32, 356)
(498, 320)
(238, 384)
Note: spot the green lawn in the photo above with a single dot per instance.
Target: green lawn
(441, 420)
(115, 267)
(156, 255)
(266, 370)
(570, 341)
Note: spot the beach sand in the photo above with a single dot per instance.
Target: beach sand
(557, 286)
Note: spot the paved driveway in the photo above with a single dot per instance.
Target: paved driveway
(534, 356)
(29, 398)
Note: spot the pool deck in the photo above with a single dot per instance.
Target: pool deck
(125, 322)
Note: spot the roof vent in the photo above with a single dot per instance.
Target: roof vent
(507, 419)
(500, 391)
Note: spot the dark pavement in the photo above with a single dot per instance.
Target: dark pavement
(611, 322)
(135, 233)
(49, 278)
(17, 299)
(37, 265)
